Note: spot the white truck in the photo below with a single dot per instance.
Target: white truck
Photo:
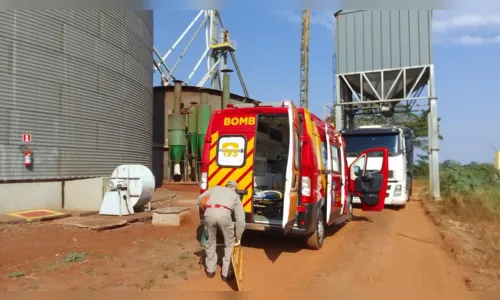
(399, 142)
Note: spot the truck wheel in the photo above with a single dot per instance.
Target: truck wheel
(408, 188)
(351, 210)
(315, 240)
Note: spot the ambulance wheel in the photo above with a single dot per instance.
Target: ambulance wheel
(315, 240)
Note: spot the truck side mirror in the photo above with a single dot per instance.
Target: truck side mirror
(358, 171)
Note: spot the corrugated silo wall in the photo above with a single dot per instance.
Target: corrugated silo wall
(80, 82)
(369, 40)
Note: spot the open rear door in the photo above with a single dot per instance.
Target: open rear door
(370, 187)
(328, 168)
(291, 196)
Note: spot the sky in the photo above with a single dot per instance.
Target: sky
(466, 52)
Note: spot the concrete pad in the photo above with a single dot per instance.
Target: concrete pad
(169, 216)
(171, 210)
(80, 213)
(189, 202)
(137, 217)
(94, 223)
(6, 219)
(162, 194)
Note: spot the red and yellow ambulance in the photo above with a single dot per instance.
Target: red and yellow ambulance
(291, 169)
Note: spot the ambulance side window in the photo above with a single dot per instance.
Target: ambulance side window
(231, 151)
(324, 155)
(335, 159)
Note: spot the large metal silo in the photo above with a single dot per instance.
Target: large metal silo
(80, 82)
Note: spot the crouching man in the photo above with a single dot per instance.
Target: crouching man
(218, 211)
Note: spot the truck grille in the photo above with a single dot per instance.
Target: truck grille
(391, 173)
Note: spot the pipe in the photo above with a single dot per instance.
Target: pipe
(203, 96)
(166, 116)
(192, 127)
(177, 132)
(177, 97)
(203, 113)
(226, 92)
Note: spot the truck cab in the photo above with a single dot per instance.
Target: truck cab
(291, 169)
(399, 142)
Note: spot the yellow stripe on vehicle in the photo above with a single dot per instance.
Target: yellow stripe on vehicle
(213, 149)
(223, 172)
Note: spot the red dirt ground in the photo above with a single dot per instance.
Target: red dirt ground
(390, 251)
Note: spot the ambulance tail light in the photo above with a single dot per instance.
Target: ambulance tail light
(204, 181)
(306, 186)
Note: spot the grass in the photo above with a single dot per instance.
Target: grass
(16, 274)
(75, 257)
(471, 193)
(468, 216)
(481, 204)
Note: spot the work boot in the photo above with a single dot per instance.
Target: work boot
(210, 275)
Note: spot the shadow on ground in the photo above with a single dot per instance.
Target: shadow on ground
(220, 254)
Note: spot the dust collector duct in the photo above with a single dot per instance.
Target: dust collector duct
(177, 140)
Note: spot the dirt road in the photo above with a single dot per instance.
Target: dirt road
(392, 251)
(377, 251)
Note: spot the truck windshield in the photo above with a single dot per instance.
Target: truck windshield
(355, 144)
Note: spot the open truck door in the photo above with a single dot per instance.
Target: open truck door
(291, 197)
(370, 186)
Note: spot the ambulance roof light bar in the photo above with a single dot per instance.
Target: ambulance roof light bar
(257, 104)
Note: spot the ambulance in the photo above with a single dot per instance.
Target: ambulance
(291, 169)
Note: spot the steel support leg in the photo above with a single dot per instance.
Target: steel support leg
(338, 107)
(429, 147)
(338, 117)
(433, 139)
(434, 147)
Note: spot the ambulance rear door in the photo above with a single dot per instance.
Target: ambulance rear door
(291, 196)
(232, 154)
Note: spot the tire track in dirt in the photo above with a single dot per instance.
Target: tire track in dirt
(402, 250)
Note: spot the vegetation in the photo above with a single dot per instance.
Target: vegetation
(74, 257)
(470, 192)
(16, 274)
